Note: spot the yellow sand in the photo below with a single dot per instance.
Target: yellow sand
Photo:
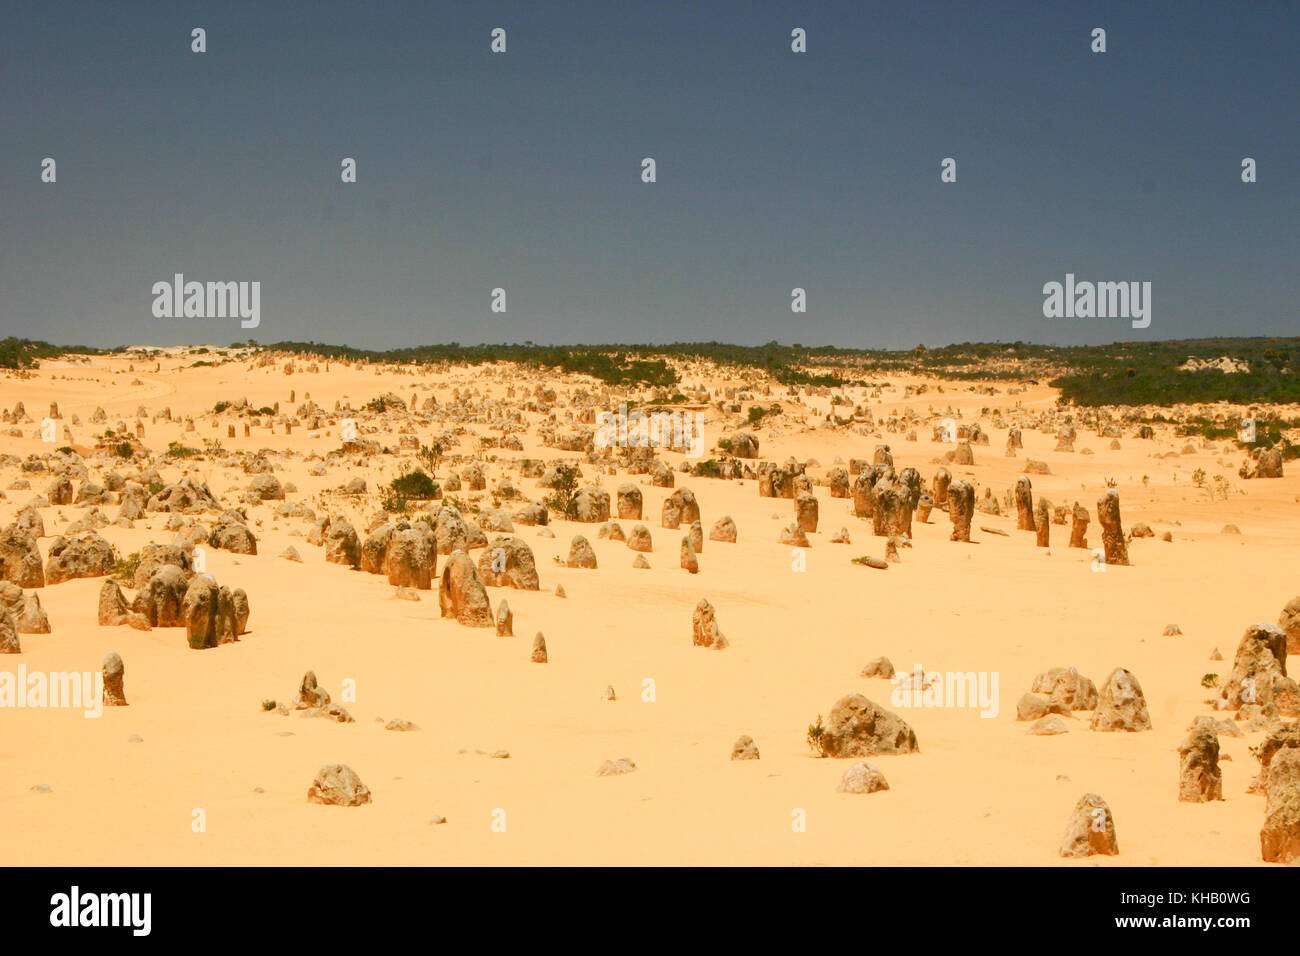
(981, 791)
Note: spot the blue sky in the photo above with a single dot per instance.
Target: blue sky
(522, 171)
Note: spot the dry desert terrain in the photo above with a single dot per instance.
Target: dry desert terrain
(124, 788)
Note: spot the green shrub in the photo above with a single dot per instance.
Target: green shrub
(563, 499)
(416, 485)
(430, 455)
(815, 734)
(124, 568)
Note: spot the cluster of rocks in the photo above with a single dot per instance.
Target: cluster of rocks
(171, 594)
(25, 610)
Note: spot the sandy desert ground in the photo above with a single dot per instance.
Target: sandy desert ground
(78, 791)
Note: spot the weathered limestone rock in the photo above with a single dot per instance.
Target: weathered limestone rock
(230, 533)
(1279, 838)
(805, 511)
(680, 507)
(859, 728)
(704, 627)
(1043, 523)
(311, 696)
(1259, 665)
(1091, 829)
(939, 488)
(724, 529)
(1199, 777)
(891, 514)
(338, 785)
(1112, 531)
(461, 594)
(1024, 504)
(1121, 704)
(1289, 621)
(342, 546)
(793, 536)
(411, 558)
(1269, 464)
(838, 481)
(9, 643)
(1079, 529)
(1066, 688)
(161, 601)
(639, 539)
(689, 560)
(209, 613)
(961, 507)
(581, 554)
(629, 502)
(374, 550)
(154, 556)
(114, 675)
(591, 505)
(508, 563)
(85, 555)
(878, 667)
(862, 778)
(864, 495)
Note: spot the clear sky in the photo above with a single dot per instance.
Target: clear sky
(523, 170)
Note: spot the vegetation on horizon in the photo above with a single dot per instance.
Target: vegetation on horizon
(1120, 373)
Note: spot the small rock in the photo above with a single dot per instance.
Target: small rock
(862, 778)
(1048, 726)
(338, 785)
(612, 768)
(880, 667)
